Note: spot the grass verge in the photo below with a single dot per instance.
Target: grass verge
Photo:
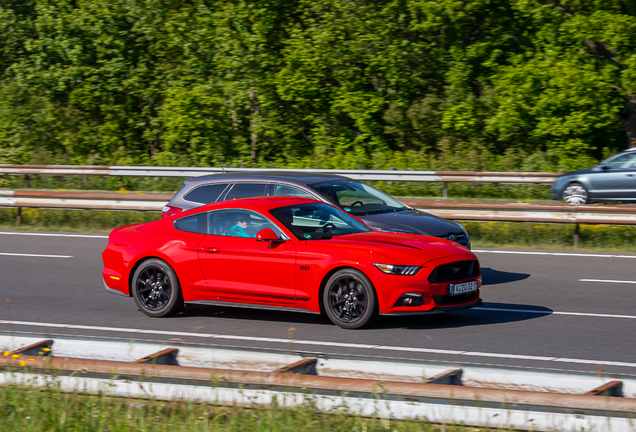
(483, 234)
(30, 409)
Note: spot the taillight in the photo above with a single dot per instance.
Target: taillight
(168, 211)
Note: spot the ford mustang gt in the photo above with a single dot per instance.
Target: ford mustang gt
(287, 253)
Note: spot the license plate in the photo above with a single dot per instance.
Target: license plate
(462, 288)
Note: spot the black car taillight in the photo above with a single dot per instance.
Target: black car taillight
(168, 211)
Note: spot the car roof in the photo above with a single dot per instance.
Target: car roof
(260, 204)
(298, 177)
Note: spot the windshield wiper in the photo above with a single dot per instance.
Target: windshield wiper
(374, 212)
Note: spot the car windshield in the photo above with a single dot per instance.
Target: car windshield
(358, 199)
(317, 221)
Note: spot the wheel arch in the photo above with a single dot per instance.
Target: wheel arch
(140, 261)
(323, 284)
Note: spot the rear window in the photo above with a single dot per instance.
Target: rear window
(206, 194)
(247, 190)
(196, 224)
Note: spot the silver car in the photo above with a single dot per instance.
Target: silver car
(614, 179)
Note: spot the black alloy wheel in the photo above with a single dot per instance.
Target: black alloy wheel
(349, 299)
(156, 289)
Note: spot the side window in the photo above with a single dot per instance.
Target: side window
(238, 223)
(623, 162)
(196, 224)
(291, 191)
(206, 194)
(247, 190)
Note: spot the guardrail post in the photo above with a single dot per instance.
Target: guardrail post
(576, 235)
(25, 182)
(85, 180)
(391, 181)
(41, 348)
(612, 388)
(18, 217)
(449, 377)
(121, 183)
(445, 190)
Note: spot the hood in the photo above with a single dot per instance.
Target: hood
(406, 249)
(582, 171)
(413, 220)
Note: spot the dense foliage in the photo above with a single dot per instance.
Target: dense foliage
(471, 84)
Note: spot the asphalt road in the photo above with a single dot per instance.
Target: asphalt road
(539, 310)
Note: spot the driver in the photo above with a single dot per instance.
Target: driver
(287, 219)
(240, 225)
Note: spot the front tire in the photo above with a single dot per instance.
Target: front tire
(575, 194)
(350, 300)
(156, 289)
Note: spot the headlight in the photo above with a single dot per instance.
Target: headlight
(398, 269)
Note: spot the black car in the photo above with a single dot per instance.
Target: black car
(377, 209)
(614, 179)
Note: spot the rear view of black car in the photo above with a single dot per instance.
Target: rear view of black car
(378, 210)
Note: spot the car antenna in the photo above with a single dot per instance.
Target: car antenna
(217, 161)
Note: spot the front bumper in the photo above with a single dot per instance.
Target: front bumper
(438, 310)
(556, 190)
(435, 296)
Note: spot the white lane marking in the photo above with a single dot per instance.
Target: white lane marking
(320, 343)
(35, 255)
(607, 281)
(552, 254)
(534, 311)
(53, 234)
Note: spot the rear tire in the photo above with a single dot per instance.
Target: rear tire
(350, 299)
(156, 289)
(575, 194)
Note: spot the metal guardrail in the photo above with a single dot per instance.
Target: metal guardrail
(465, 211)
(368, 175)
(526, 212)
(257, 376)
(468, 211)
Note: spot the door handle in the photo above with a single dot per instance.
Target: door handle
(210, 250)
(630, 175)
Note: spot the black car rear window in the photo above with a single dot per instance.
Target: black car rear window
(196, 224)
(247, 190)
(206, 194)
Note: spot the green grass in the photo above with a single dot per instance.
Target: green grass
(552, 236)
(72, 220)
(483, 234)
(29, 409)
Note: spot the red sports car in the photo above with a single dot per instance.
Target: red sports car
(287, 253)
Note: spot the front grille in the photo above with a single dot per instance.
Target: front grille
(462, 239)
(454, 271)
(447, 300)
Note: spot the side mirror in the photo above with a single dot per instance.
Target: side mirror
(268, 235)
